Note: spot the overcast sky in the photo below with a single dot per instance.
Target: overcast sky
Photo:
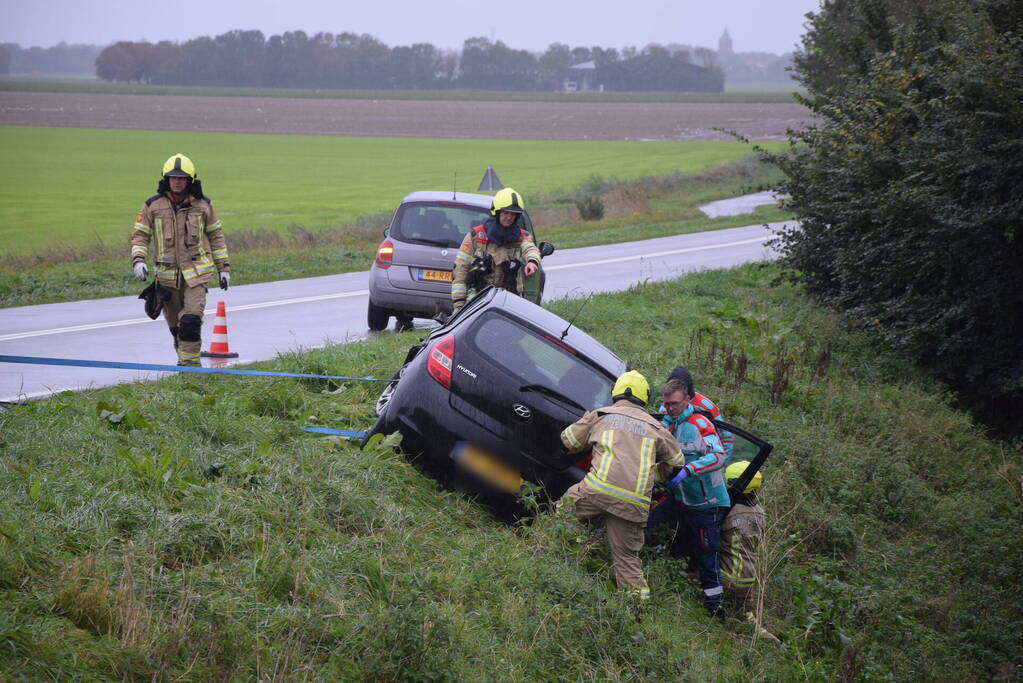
(755, 25)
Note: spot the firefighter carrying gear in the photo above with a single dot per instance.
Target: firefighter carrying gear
(155, 297)
(485, 258)
(187, 245)
(630, 451)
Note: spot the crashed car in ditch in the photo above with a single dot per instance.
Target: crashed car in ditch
(486, 396)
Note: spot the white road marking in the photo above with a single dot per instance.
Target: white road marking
(363, 292)
(208, 311)
(654, 254)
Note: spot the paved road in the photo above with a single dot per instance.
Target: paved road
(270, 318)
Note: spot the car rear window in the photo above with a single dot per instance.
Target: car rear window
(440, 223)
(531, 359)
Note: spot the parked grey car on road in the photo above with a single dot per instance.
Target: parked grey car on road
(411, 274)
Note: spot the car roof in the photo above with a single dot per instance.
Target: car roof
(554, 325)
(483, 201)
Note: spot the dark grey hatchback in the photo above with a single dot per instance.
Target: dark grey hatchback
(487, 394)
(493, 388)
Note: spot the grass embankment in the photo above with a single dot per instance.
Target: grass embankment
(300, 206)
(770, 92)
(192, 531)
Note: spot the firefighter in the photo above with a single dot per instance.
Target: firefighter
(630, 451)
(179, 229)
(740, 538)
(699, 494)
(741, 535)
(497, 252)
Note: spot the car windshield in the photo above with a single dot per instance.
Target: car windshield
(535, 360)
(440, 223)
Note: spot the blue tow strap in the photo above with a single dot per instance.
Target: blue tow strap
(33, 360)
(348, 433)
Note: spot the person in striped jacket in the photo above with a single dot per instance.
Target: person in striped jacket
(631, 451)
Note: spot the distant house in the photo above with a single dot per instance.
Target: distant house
(581, 77)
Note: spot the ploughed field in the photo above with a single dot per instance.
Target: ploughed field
(662, 121)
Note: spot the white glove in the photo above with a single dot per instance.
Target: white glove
(225, 279)
(141, 272)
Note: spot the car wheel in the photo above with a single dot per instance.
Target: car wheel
(385, 395)
(377, 317)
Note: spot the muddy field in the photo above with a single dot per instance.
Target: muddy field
(406, 118)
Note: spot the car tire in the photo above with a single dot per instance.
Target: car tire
(377, 317)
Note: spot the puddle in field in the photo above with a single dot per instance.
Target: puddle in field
(737, 206)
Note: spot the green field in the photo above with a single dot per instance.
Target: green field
(83, 186)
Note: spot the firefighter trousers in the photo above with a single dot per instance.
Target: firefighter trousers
(186, 301)
(626, 540)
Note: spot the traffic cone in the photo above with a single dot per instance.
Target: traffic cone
(218, 345)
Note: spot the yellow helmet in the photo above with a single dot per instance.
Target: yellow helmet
(507, 200)
(633, 384)
(736, 469)
(179, 165)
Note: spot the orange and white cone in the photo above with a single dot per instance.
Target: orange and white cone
(218, 345)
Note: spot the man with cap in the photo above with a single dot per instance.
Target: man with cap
(179, 229)
(631, 450)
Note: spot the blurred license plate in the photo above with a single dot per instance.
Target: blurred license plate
(435, 275)
(489, 468)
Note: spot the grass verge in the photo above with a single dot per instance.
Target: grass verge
(186, 528)
(632, 209)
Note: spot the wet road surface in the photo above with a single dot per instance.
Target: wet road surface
(270, 318)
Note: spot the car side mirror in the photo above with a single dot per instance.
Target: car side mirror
(546, 249)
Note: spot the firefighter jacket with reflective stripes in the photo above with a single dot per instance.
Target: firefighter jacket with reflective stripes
(705, 460)
(740, 538)
(475, 245)
(187, 240)
(627, 447)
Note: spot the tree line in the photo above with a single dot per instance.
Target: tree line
(347, 60)
(61, 59)
(909, 188)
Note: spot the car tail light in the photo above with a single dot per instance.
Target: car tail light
(385, 253)
(441, 360)
(560, 343)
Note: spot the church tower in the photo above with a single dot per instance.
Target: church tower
(725, 45)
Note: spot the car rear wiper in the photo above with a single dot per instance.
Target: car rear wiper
(434, 243)
(553, 393)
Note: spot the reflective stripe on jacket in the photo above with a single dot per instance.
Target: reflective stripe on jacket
(740, 538)
(705, 460)
(627, 447)
(188, 240)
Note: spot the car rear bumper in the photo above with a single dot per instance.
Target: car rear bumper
(418, 302)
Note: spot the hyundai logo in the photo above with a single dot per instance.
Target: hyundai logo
(522, 412)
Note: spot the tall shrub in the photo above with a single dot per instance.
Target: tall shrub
(909, 188)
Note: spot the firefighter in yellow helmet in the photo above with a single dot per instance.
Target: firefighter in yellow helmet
(497, 252)
(180, 233)
(631, 450)
(741, 535)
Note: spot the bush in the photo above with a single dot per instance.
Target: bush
(908, 189)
